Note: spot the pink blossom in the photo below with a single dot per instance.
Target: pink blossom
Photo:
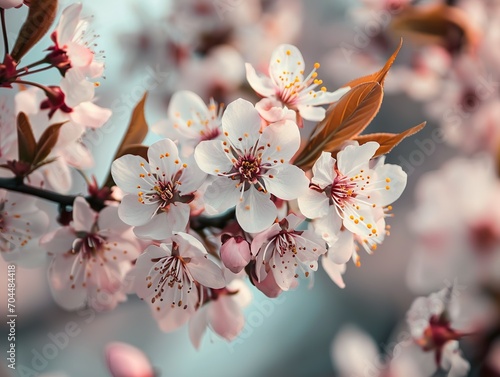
(71, 49)
(21, 225)
(283, 251)
(171, 277)
(429, 319)
(222, 313)
(249, 166)
(124, 360)
(351, 192)
(288, 85)
(90, 258)
(158, 192)
(190, 121)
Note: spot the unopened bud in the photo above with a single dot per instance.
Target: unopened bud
(235, 253)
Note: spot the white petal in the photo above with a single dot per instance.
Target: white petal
(353, 158)
(221, 195)
(324, 170)
(241, 124)
(206, 272)
(312, 113)
(163, 224)
(186, 111)
(126, 172)
(286, 58)
(83, 216)
(334, 271)
(256, 212)
(391, 182)
(163, 157)
(211, 158)
(133, 212)
(59, 241)
(288, 182)
(280, 142)
(261, 84)
(68, 23)
(313, 204)
(341, 251)
(109, 219)
(90, 115)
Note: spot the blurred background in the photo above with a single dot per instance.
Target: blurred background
(162, 46)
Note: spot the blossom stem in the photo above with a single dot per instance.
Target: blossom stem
(35, 71)
(13, 184)
(4, 31)
(38, 62)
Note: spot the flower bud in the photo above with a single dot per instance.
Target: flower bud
(235, 253)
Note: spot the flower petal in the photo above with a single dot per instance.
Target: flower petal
(163, 158)
(334, 270)
(312, 113)
(132, 212)
(256, 211)
(126, 172)
(286, 182)
(353, 157)
(241, 124)
(211, 158)
(286, 63)
(261, 84)
(221, 195)
(83, 216)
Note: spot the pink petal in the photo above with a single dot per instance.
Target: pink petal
(124, 360)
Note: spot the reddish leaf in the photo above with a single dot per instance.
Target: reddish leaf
(388, 141)
(135, 149)
(441, 24)
(137, 128)
(345, 119)
(25, 139)
(380, 75)
(40, 17)
(46, 142)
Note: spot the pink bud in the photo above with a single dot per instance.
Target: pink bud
(235, 253)
(125, 360)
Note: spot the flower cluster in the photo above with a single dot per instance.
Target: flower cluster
(259, 192)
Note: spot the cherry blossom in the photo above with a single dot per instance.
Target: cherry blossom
(288, 84)
(21, 225)
(73, 48)
(124, 360)
(90, 258)
(250, 166)
(355, 354)
(190, 121)
(458, 234)
(158, 192)
(349, 192)
(429, 319)
(282, 250)
(222, 312)
(170, 278)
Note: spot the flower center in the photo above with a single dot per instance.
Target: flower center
(284, 243)
(342, 190)
(88, 244)
(248, 168)
(484, 237)
(165, 191)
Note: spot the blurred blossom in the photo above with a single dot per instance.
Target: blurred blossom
(90, 258)
(21, 225)
(457, 225)
(431, 325)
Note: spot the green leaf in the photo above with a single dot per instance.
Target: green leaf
(25, 139)
(40, 17)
